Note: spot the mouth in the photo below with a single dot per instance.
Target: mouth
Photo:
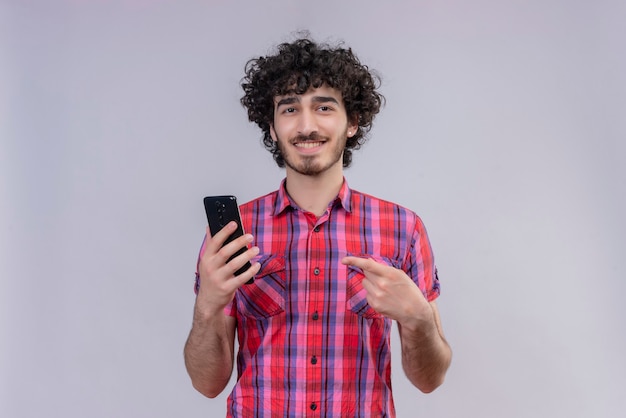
(308, 144)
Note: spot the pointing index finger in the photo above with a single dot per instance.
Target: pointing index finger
(365, 264)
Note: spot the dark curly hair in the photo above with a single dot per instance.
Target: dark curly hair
(303, 64)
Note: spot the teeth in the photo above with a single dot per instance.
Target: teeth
(308, 144)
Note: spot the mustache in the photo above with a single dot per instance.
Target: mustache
(313, 137)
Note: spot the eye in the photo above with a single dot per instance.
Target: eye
(325, 108)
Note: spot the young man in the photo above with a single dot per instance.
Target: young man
(333, 267)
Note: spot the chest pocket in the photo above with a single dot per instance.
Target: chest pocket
(356, 296)
(265, 297)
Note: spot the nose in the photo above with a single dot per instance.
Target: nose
(307, 123)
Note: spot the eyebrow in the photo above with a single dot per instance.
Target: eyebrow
(315, 99)
(287, 101)
(324, 99)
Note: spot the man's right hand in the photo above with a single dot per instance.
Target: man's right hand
(218, 282)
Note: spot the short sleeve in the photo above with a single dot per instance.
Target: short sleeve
(420, 263)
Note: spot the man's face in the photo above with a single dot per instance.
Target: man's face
(311, 130)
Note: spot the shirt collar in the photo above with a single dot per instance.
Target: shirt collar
(283, 201)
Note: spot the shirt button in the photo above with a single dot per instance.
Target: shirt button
(315, 316)
(316, 229)
(313, 360)
(313, 406)
(316, 271)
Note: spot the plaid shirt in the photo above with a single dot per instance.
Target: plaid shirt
(309, 344)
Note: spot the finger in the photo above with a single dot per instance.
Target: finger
(244, 277)
(365, 264)
(214, 243)
(239, 261)
(368, 285)
(233, 247)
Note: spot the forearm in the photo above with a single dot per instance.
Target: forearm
(426, 354)
(209, 353)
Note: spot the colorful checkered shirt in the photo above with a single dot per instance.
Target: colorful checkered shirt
(309, 344)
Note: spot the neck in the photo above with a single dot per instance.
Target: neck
(314, 193)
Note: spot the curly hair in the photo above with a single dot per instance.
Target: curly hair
(303, 64)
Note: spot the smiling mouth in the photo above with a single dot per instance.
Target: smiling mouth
(308, 144)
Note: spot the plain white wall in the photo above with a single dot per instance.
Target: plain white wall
(504, 129)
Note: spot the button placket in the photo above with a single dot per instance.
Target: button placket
(316, 269)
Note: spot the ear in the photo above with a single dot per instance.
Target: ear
(273, 133)
(353, 125)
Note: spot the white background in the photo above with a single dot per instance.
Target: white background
(505, 129)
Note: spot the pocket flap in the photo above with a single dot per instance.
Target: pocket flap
(270, 264)
(265, 297)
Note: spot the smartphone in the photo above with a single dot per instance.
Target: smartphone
(220, 210)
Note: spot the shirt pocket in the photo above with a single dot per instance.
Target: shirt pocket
(265, 297)
(356, 295)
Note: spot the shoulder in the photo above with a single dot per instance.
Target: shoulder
(265, 201)
(392, 214)
(369, 202)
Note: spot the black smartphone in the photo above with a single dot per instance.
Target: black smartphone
(220, 210)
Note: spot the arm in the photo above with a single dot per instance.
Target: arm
(425, 353)
(209, 351)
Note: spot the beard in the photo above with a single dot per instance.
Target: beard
(312, 165)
